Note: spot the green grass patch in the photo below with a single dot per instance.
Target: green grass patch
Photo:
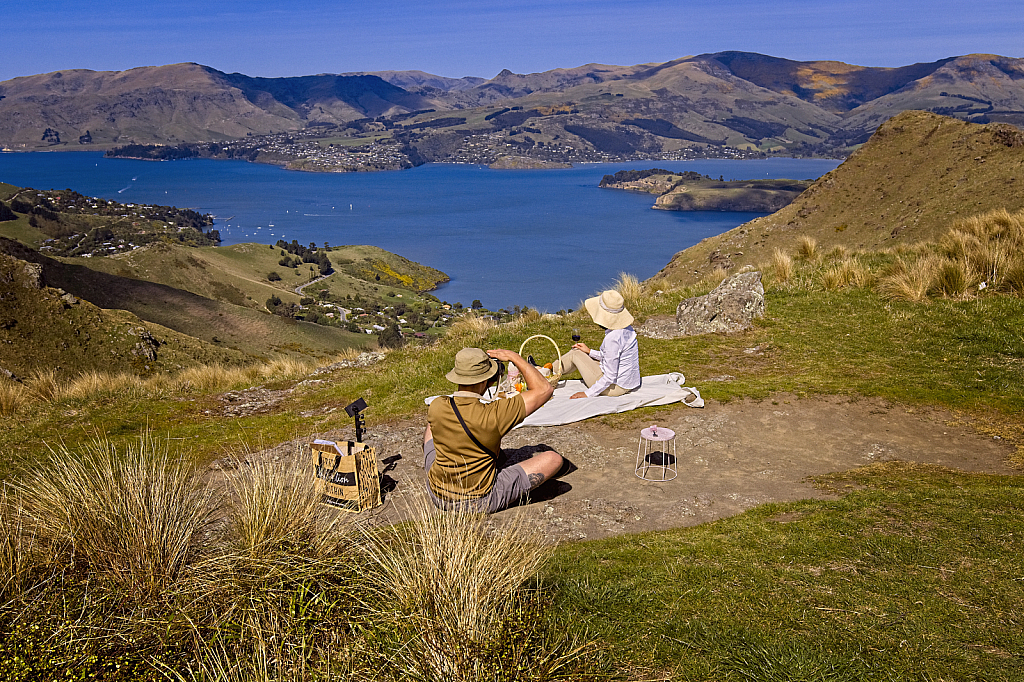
(20, 231)
(964, 355)
(915, 574)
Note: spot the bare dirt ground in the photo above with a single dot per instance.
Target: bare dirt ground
(731, 457)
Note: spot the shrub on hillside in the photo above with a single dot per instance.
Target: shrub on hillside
(6, 213)
(390, 337)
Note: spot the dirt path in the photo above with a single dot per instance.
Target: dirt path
(731, 457)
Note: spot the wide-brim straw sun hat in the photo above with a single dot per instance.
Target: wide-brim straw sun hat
(472, 365)
(609, 310)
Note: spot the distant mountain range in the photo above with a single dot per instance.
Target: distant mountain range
(726, 100)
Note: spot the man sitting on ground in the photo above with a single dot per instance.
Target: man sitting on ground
(462, 445)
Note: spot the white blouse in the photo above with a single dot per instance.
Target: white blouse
(620, 361)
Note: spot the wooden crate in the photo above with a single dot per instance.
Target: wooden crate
(346, 473)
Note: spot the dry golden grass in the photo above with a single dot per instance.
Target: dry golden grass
(94, 383)
(12, 397)
(909, 280)
(278, 505)
(991, 244)
(782, 266)
(807, 247)
(47, 385)
(277, 535)
(631, 289)
(982, 252)
(133, 515)
(460, 585)
(472, 325)
(286, 368)
(19, 556)
(955, 279)
(209, 378)
(838, 253)
(845, 273)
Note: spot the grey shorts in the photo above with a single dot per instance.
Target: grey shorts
(510, 484)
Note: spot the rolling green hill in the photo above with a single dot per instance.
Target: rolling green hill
(43, 327)
(916, 175)
(249, 331)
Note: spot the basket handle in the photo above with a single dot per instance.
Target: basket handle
(558, 353)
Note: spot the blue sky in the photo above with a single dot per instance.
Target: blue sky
(482, 37)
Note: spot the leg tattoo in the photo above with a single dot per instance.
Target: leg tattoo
(536, 480)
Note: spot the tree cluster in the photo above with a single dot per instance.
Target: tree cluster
(308, 254)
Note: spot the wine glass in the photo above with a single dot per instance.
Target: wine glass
(576, 335)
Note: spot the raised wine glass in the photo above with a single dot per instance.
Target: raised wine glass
(576, 335)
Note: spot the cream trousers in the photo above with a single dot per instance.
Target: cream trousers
(589, 369)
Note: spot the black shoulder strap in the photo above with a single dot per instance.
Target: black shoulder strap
(465, 428)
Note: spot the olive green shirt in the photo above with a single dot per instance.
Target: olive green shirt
(462, 471)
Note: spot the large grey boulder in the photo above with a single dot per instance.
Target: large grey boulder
(729, 307)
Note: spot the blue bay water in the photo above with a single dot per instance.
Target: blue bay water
(542, 238)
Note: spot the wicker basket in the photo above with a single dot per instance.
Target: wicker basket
(556, 366)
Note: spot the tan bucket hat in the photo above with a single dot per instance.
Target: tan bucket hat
(609, 310)
(472, 365)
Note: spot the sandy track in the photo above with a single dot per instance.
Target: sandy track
(731, 457)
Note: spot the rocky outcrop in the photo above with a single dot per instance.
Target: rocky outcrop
(33, 273)
(730, 307)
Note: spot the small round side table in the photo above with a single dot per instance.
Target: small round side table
(656, 462)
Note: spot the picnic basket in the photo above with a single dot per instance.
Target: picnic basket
(556, 365)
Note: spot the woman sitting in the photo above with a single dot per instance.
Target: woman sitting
(614, 369)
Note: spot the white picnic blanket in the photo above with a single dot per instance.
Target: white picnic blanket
(657, 389)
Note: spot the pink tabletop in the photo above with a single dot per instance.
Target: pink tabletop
(658, 433)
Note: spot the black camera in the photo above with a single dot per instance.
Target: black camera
(355, 410)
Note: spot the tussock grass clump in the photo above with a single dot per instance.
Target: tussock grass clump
(131, 514)
(278, 508)
(954, 279)
(631, 289)
(471, 325)
(95, 383)
(12, 397)
(47, 385)
(283, 576)
(286, 368)
(209, 378)
(19, 555)
(782, 266)
(845, 273)
(838, 253)
(991, 244)
(909, 280)
(983, 252)
(464, 599)
(807, 247)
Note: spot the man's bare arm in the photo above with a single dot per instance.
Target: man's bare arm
(538, 389)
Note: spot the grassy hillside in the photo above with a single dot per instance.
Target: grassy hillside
(78, 108)
(246, 330)
(758, 196)
(691, 191)
(46, 329)
(238, 274)
(915, 176)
